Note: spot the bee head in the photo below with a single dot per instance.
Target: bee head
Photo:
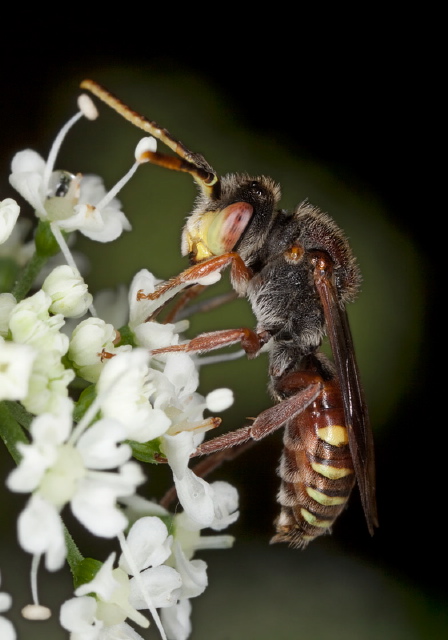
(235, 216)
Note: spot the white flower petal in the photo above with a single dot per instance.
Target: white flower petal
(7, 631)
(139, 310)
(102, 225)
(34, 463)
(124, 387)
(122, 631)
(178, 449)
(51, 430)
(95, 507)
(103, 583)
(16, 362)
(99, 446)
(95, 501)
(196, 497)
(176, 620)
(27, 177)
(7, 304)
(153, 335)
(148, 543)
(225, 499)
(182, 372)
(5, 602)
(78, 616)
(27, 161)
(160, 583)
(9, 212)
(193, 574)
(137, 507)
(40, 531)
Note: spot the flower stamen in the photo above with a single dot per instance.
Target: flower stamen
(35, 611)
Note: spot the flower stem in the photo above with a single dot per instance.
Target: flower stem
(74, 556)
(11, 432)
(28, 276)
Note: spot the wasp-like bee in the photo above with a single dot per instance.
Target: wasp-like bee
(298, 272)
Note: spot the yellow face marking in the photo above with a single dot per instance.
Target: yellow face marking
(321, 498)
(334, 473)
(199, 249)
(315, 522)
(333, 434)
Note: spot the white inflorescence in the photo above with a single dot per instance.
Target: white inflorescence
(88, 399)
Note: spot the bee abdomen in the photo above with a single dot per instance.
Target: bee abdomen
(317, 476)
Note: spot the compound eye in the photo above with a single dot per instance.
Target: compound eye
(255, 186)
(227, 227)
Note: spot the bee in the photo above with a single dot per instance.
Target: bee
(298, 272)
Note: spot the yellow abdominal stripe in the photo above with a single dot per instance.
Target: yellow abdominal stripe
(321, 498)
(334, 435)
(314, 521)
(333, 473)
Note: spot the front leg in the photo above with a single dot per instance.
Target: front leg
(198, 273)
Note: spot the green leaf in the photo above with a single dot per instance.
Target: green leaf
(126, 336)
(11, 432)
(19, 413)
(85, 571)
(145, 451)
(84, 401)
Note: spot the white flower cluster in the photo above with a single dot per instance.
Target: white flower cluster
(79, 447)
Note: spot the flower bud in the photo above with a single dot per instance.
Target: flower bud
(9, 212)
(68, 292)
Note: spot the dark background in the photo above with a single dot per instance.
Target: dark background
(357, 105)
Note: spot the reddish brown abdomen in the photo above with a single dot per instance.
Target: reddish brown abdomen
(316, 469)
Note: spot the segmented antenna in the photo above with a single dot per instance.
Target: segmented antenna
(189, 162)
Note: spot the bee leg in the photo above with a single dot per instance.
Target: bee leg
(232, 444)
(193, 275)
(179, 312)
(250, 341)
(186, 297)
(266, 423)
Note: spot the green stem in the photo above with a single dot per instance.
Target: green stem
(11, 432)
(74, 556)
(28, 276)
